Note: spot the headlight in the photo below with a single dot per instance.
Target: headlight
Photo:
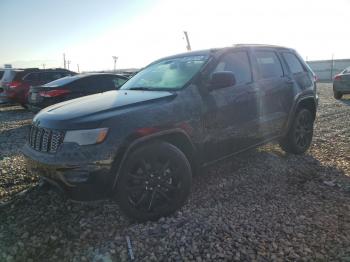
(86, 137)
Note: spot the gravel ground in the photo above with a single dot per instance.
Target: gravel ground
(262, 205)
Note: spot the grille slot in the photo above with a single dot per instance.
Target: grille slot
(45, 140)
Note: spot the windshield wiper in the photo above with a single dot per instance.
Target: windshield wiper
(139, 88)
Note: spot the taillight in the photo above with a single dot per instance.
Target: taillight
(54, 93)
(315, 78)
(14, 84)
(337, 77)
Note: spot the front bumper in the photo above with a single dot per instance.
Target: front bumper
(32, 108)
(80, 179)
(341, 87)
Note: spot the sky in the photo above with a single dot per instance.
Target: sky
(90, 32)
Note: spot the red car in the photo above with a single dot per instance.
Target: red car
(17, 86)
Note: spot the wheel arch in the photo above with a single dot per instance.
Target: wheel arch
(176, 137)
(308, 102)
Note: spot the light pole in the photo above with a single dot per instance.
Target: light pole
(68, 63)
(78, 68)
(115, 58)
(64, 60)
(188, 47)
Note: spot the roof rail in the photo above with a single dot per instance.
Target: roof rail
(259, 45)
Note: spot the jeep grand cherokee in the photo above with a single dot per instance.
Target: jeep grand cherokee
(142, 144)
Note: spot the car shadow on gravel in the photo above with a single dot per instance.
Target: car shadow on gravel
(262, 194)
(13, 139)
(346, 101)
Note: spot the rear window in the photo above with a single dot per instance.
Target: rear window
(346, 70)
(293, 63)
(63, 81)
(269, 64)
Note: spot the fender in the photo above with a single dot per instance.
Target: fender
(144, 139)
(300, 98)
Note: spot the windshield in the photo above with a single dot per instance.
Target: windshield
(63, 81)
(167, 74)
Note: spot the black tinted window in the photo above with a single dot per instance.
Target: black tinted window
(51, 76)
(238, 64)
(269, 64)
(118, 82)
(32, 77)
(293, 63)
(1, 74)
(346, 71)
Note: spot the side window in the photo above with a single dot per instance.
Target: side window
(293, 63)
(47, 77)
(32, 77)
(238, 64)
(269, 64)
(96, 84)
(118, 82)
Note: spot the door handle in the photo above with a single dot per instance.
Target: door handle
(289, 80)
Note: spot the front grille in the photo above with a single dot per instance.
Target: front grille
(45, 140)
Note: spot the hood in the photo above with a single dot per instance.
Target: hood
(94, 107)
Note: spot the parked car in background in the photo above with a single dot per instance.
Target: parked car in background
(142, 144)
(1, 89)
(6, 78)
(1, 73)
(16, 82)
(72, 87)
(341, 84)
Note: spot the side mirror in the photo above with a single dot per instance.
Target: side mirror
(222, 79)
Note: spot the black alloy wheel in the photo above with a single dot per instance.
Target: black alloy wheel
(337, 95)
(155, 181)
(303, 129)
(299, 137)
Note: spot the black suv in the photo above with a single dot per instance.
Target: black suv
(142, 143)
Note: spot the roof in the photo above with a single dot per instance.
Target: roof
(261, 46)
(214, 50)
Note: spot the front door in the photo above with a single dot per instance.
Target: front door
(230, 117)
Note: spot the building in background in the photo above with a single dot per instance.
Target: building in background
(327, 69)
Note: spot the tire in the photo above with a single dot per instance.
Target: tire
(337, 95)
(155, 181)
(299, 136)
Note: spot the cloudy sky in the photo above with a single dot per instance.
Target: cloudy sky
(90, 32)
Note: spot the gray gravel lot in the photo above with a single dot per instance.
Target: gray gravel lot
(262, 205)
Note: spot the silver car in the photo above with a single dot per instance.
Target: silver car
(341, 84)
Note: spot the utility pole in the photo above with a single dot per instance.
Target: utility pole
(78, 68)
(64, 60)
(115, 58)
(68, 62)
(332, 66)
(188, 41)
(43, 66)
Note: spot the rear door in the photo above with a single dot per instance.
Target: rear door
(345, 79)
(297, 73)
(275, 93)
(94, 84)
